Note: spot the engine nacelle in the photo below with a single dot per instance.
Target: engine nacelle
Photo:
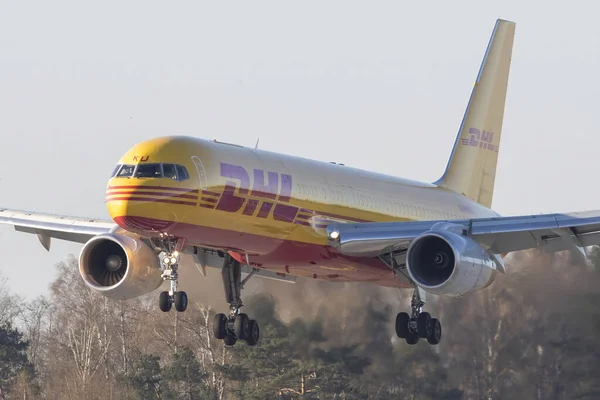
(119, 266)
(446, 263)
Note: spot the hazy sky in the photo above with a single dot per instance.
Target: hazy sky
(375, 85)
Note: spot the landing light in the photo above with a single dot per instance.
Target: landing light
(334, 235)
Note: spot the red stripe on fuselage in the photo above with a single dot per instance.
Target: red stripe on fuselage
(154, 187)
(150, 200)
(147, 193)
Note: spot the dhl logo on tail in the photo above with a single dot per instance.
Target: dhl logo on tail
(482, 139)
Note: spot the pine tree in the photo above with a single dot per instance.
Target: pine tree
(187, 380)
(13, 358)
(145, 377)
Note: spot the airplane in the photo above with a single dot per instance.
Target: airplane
(252, 212)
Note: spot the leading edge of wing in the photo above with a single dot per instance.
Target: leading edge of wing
(498, 234)
(46, 226)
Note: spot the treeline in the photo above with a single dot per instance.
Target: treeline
(534, 334)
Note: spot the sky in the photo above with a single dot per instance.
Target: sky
(375, 85)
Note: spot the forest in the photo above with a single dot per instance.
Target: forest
(533, 334)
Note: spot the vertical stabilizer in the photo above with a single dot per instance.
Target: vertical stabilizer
(471, 169)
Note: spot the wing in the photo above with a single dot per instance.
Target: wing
(499, 235)
(80, 230)
(48, 226)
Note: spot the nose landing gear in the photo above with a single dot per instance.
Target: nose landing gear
(170, 264)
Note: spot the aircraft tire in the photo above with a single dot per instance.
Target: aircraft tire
(402, 320)
(424, 325)
(230, 340)
(220, 326)
(164, 302)
(436, 332)
(412, 339)
(181, 301)
(241, 326)
(253, 333)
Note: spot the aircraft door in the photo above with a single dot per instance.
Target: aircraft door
(202, 177)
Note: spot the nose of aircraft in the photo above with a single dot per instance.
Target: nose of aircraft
(150, 184)
(140, 207)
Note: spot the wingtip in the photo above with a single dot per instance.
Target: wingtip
(505, 21)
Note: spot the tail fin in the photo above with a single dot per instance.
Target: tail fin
(471, 170)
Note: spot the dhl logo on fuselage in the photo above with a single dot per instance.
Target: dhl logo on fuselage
(271, 197)
(254, 198)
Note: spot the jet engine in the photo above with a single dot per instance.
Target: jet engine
(119, 266)
(446, 263)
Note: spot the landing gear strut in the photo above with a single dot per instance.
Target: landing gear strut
(169, 261)
(235, 326)
(419, 324)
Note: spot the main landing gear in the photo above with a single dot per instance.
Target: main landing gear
(170, 264)
(235, 326)
(419, 324)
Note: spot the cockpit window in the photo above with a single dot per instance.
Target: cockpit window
(169, 171)
(115, 170)
(153, 170)
(148, 171)
(183, 174)
(126, 171)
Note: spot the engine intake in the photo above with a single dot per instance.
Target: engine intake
(119, 266)
(446, 263)
(108, 263)
(435, 260)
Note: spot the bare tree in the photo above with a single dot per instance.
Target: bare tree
(80, 323)
(10, 304)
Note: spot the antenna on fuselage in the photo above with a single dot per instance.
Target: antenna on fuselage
(256, 145)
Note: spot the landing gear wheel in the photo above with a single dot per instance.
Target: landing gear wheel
(220, 326)
(419, 324)
(424, 325)
(181, 301)
(253, 333)
(436, 332)
(164, 302)
(412, 339)
(402, 320)
(241, 326)
(237, 325)
(230, 340)
(169, 262)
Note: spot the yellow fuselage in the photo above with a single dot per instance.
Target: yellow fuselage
(271, 208)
